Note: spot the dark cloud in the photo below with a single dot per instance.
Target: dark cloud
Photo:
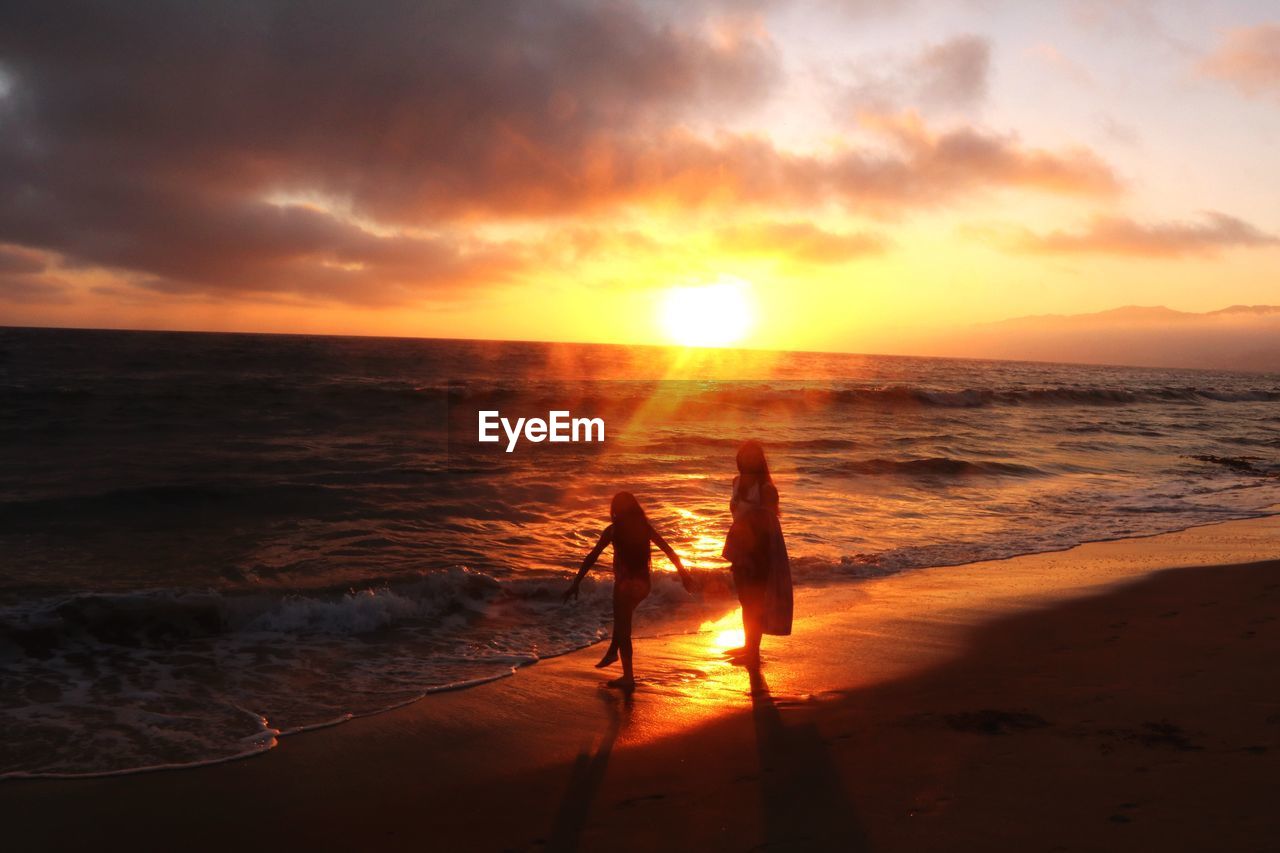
(405, 108)
(1122, 236)
(146, 135)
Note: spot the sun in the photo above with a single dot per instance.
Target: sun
(707, 315)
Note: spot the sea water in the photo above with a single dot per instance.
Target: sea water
(210, 539)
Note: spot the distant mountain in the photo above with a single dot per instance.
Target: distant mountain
(1241, 337)
(1246, 309)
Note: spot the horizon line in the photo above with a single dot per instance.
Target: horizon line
(4, 326)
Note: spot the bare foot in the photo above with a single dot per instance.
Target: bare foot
(746, 657)
(610, 656)
(623, 683)
(733, 653)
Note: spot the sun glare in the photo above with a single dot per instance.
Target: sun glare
(726, 631)
(708, 315)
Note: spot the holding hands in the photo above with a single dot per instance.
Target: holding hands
(687, 579)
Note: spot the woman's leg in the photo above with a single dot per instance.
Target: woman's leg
(753, 633)
(752, 627)
(751, 597)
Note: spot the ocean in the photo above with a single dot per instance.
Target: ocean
(210, 540)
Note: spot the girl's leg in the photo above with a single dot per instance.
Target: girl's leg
(624, 608)
(612, 654)
(622, 636)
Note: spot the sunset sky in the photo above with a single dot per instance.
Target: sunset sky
(859, 174)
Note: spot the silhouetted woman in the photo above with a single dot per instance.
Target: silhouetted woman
(757, 554)
(630, 534)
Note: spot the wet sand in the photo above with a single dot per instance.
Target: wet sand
(1117, 696)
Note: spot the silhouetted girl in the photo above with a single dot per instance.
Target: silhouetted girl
(630, 534)
(757, 553)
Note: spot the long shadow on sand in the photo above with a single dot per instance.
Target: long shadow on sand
(805, 804)
(588, 774)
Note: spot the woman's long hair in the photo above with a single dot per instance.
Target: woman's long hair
(752, 463)
(629, 521)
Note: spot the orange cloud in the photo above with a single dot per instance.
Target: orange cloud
(1115, 235)
(1248, 58)
(26, 277)
(965, 158)
(800, 241)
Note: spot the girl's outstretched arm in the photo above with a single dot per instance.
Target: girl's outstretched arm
(606, 536)
(685, 578)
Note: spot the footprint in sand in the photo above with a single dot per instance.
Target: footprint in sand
(990, 721)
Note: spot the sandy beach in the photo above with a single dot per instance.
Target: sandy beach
(1117, 696)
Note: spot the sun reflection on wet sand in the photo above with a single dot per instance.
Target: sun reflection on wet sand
(726, 631)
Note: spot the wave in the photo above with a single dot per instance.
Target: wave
(157, 617)
(1086, 396)
(198, 676)
(630, 394)
(172, 498)
(779, 444)
(937, 466)
(1255, 465)
(265, 407)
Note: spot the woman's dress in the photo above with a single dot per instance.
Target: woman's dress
(757, 554)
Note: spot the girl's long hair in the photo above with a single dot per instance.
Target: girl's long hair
(629, 520)
(752, 463)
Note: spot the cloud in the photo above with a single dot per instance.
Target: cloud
(18, 260)
(1053, 58)
(1111, 14)
(156, 138)
(1248, 58)
(148, 137)
(1122, 236)
(949, 75)
(191, 242)
(955, 71)
(404, 108)
(938, 165)
(25, 277)
(26, 290)
(800, 241)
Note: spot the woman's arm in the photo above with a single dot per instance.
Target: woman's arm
(606, 536)
(685, 578)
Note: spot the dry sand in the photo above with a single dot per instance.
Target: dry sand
(1117, 696)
